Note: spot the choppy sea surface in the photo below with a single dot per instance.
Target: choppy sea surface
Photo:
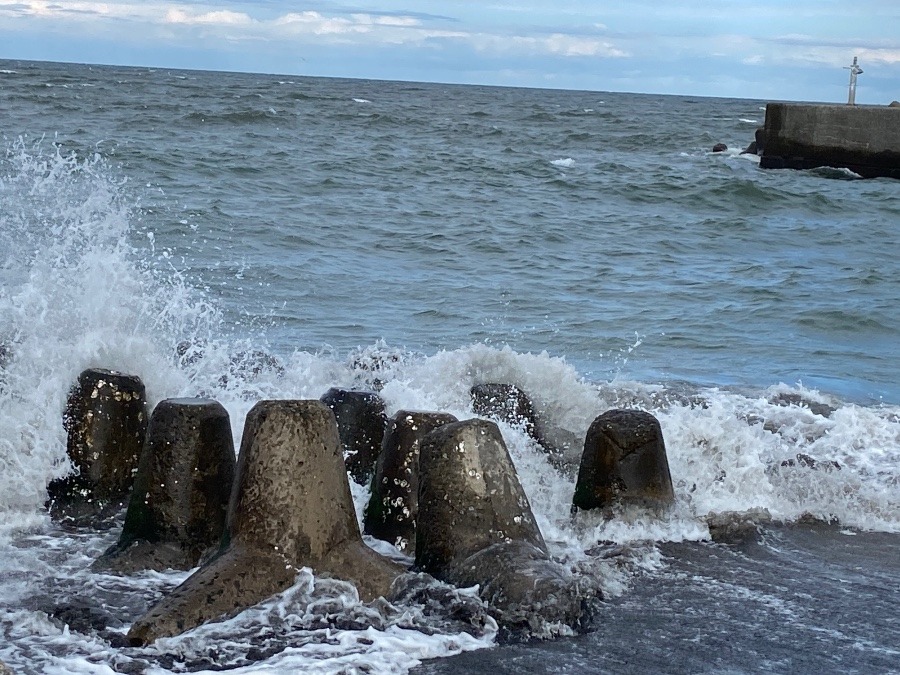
(586, 246)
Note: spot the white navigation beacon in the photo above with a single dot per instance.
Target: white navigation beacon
(854, 71)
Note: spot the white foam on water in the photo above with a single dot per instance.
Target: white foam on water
(746, 120)
(73, 297)
(566, 162)
(361, 100)
(83, 286)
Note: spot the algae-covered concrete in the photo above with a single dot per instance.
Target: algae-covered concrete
(864, 139)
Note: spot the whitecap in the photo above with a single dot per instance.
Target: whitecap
(565, 163)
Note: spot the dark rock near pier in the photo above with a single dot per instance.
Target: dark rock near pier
(720, 147)
(624, 461)
(391, 512)
(106, 421)
(290, 507)
(181, 491)
(757, 145)
(361, 423)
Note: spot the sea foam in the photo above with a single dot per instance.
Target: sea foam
(85, 285)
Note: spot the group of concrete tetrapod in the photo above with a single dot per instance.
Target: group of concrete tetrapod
(442, 490)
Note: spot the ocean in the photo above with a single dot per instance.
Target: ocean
(588, 247)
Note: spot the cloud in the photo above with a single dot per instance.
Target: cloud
(666, 44)
(556, 44)
(217, 18)
(361, 28)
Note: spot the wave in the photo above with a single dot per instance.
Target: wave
(231, 117)
(86, 286)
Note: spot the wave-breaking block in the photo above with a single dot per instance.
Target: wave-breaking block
(106, 422)
(290, 507)
(508, 403)
(624, 461)
(475, 526)
(393, 506)
(180, 499)
(361, 423)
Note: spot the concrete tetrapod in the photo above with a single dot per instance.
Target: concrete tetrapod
(391, 512)
(290, 508)
(180, 499)
(106, 421)
(361, 423)
(508, 403)
(475, 526)
(624, 461)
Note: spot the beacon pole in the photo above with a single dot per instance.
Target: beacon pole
(854, 71)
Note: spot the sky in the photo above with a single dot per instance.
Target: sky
(758, 49)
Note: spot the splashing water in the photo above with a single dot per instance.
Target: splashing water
(85, 286)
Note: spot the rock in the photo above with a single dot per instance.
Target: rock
(247, 366)
(624, 461)
(734, 527)
(80, 614)
(758, 144)
(243, 367)
(361, 422)
(5, 669)
(181, 491)
(808, 462)
(373, 364)
(469, 496)
(106, 421)
(787, 400)
(391, 512)
(475, 526)
(720, 147)
(190, 352)
(290, 508)
(523, 588)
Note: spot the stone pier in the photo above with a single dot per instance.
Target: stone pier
(864, 139)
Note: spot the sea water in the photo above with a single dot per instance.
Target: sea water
(586, 246)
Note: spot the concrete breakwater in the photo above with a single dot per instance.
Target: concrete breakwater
(444, 489)
(864, 139)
